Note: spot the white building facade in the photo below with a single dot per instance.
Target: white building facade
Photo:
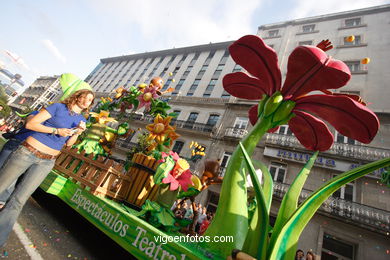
(355, 222)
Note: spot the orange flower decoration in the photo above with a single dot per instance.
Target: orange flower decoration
(121, 91)
(160, 129)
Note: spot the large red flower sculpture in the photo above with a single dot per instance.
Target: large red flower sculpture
(309, 69)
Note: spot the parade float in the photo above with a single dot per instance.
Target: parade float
(132, 203)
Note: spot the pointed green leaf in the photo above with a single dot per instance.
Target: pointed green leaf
(268, 186)
(257, 234)
(290, 201)
(287, 240)
(163, 169)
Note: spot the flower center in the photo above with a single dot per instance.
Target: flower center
(147, 96)
(158, 128)
(180, 167)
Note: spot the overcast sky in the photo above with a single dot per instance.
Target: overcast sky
(51, 37)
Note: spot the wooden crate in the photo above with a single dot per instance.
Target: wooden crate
(101, 176)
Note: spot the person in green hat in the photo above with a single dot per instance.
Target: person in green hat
(55, 126)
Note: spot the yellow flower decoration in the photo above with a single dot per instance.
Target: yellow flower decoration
(160, 129)
(102, 117)
(120, 92)
(173, 136)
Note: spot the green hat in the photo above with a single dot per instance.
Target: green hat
(70, 83)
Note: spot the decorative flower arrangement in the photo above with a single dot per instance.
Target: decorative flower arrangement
(309, 69)
(174, 171)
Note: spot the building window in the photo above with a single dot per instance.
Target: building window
(193, 87)
(356, 41)
(273, 33)
(224, 94)
(210, 88)
(212, 121)
(237, 68)
(352, 22)
(354, 66)
(211, 55)
(224, 57)
(224, 162)
(174, 119)
(181, 61)
(308, 28)
(344, 139)
(191, 120)
(192, 117)
(305, 43)
(241, 122)
(334, 249)
(166, 85)
(178, 147)
(179, 84)
(278, 171)
(212, 202)
(284, 130)
(194, 59)
(346, 192)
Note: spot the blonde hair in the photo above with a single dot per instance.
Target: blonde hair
(72, 99)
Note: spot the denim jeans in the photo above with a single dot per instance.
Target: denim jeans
(8, 148)
(35, 171)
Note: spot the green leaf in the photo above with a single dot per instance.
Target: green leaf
(231, 218)
(256, 241)
(189, 193)
(287, 240)
(290, 201)
(165, 217)
(163, 169)
(268, 186)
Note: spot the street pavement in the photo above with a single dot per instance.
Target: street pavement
(49, 229)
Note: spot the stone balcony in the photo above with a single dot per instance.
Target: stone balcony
(361, 215)
(234, 132)
(361, 152)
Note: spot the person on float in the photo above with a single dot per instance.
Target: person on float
(55, 126)
(14, 140)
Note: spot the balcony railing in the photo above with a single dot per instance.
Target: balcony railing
(356, 213)
(193, 126)
(235, 132)
(346, 150)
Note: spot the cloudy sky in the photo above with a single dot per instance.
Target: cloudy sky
(46, 37)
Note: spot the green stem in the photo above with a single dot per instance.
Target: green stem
(231, 218)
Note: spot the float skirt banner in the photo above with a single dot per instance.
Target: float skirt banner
(118, 222)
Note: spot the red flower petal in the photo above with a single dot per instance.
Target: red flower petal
(309, 69)
(240, 85)
(349, 117)
(173, 183)
(258, 59)
(311, 132)
(185, 180)
(253, 114)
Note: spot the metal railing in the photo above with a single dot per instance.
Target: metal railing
(235, 132)
(356, 213)
(193, 126)
(346, 150)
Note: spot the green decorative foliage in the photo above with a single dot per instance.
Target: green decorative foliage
(163, 169)
(258, 239)
(290, 201)
(286, 242)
